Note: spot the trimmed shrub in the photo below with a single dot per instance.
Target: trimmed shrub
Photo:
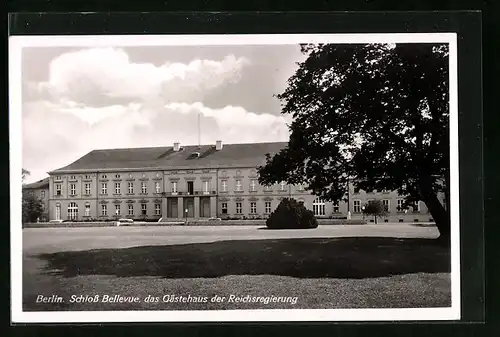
(291, 214)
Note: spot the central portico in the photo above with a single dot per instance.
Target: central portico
(190, 206)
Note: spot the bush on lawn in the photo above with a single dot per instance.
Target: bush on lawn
(291, 214)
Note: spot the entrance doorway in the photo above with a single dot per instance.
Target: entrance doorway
(205, 207)
(189, 206)
(172, 208)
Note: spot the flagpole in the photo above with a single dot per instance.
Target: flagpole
(199, 132)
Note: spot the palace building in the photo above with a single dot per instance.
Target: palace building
(179, 182)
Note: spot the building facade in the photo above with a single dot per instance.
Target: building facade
(191, 182)
(40, 190)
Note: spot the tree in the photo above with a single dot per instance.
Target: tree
(32, 208)
(375, 208)
(375, 116)
(25, 174)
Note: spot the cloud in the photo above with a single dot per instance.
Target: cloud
(103, 76)
(66, 131)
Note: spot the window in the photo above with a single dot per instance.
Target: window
(318, 207)
(42, 194)
(131, 188)
(104, 176)
(117, 176)
(336, 207)
(87, 188)
(144, 175)
(386, 204)
(104, 188)
(144, 209)
(130, 209)
(72, 211)
(130, 176)
(238, 185)
(118, 209)
(416, 206)
(224, 207)
(144, 188)
(58, 211)
(157, 209)
(268, 207)
(399, 207)
(104, 210)
(206, 186)
(253, 208)
(253, 185)
(157, 175)
(356, 190)
(118, 188)
(239, 208)
(174, 186)
(32, 193)
(72, 189)
(283, 186)
(357, 206)
(300, 187)
(88, 177)
(58, 178)
(224, 185)
(157, 187)
(87, 209)
(190, 187)
(72, 177)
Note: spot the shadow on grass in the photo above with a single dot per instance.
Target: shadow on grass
(348, 257)
(284, 229)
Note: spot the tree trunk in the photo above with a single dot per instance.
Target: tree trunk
(440, 215)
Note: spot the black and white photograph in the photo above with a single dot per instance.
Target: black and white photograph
(296, 177)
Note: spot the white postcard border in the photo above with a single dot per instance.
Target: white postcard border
(16, 43)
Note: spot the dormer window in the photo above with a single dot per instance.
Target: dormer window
(117, 176)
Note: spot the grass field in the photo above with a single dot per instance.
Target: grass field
(368, 266)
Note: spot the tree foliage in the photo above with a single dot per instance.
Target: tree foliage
(375, 208)
(372, 115)
(25, 174)
(292, 215)
(32, 208)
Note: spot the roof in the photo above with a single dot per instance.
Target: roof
(231, 155)
(44, 183)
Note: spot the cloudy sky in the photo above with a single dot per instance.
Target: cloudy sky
(79, 99)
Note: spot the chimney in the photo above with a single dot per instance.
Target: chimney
(176, 147)
(218, 145)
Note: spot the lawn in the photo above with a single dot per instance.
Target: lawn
(369, 266)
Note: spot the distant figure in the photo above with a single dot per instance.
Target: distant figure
(348, 215)
(37, 220)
